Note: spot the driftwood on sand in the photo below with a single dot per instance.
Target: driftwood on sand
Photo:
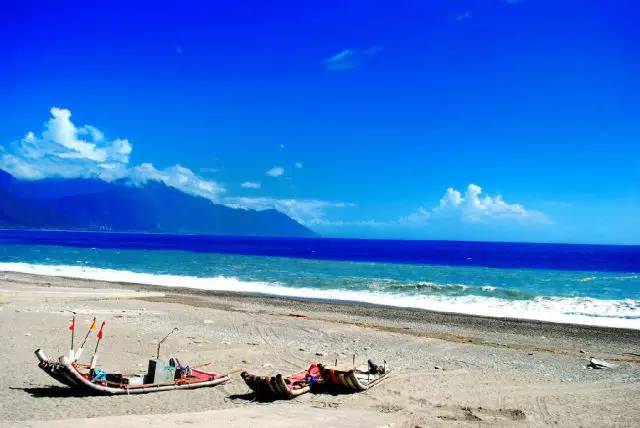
(599, 364)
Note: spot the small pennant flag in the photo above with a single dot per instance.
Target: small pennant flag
(72, 324)
(93, 324)
(100, 332)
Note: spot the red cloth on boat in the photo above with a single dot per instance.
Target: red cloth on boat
(302, 378)
(204, 376)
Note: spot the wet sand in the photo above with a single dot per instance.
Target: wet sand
(448, 369)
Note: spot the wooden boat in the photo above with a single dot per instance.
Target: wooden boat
(280, 387)
(70, 374)
(354, 379)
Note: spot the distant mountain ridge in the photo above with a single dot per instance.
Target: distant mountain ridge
(91, 204)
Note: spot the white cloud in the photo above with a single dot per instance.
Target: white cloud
(350, 58)
(421, 215)
(454, 209)
(306, 211)
(68, 151)
(473, 207)
(64, 150)
(251, 185)
(276, 171)
(299, 165)
(178, 177)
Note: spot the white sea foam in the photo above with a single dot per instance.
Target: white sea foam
(577, 310)
(433, 285)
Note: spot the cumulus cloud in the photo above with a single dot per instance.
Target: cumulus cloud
(350, 58)
(306, 211)
(421, 215)
(251, 185)
(178, 177)
(276, 171)
(65, 150)
(474, 207)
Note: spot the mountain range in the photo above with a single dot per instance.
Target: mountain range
(153, 207)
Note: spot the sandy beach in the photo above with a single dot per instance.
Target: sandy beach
(448, 369)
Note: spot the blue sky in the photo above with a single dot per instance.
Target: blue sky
(353, 117)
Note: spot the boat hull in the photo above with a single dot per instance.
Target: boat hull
(273, 387)
(68, 374)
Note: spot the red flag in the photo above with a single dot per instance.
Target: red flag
(72, 324)
(100, 332)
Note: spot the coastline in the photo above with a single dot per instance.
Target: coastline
(576, 310)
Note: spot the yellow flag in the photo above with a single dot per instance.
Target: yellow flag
(93, 324)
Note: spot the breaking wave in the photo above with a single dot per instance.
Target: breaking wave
(576, 310)
(432, 288)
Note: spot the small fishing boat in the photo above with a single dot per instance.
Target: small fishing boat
(98, 382)
(354, 379)
(280, 387)
(162, 375)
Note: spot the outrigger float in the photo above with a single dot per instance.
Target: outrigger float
(161, 376)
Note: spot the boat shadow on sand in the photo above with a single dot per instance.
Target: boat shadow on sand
(66, 392)
(259, 398)
(54, 392)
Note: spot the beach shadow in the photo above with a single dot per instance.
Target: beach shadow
(253, 397)
(328, 390)
(54, 392)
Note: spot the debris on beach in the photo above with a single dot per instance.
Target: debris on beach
(599, 364)
(297, 315)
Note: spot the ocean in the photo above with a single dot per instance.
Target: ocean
(582, 284)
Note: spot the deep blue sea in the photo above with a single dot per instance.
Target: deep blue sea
(586, 284)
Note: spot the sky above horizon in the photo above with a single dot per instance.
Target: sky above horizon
(513, 120)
